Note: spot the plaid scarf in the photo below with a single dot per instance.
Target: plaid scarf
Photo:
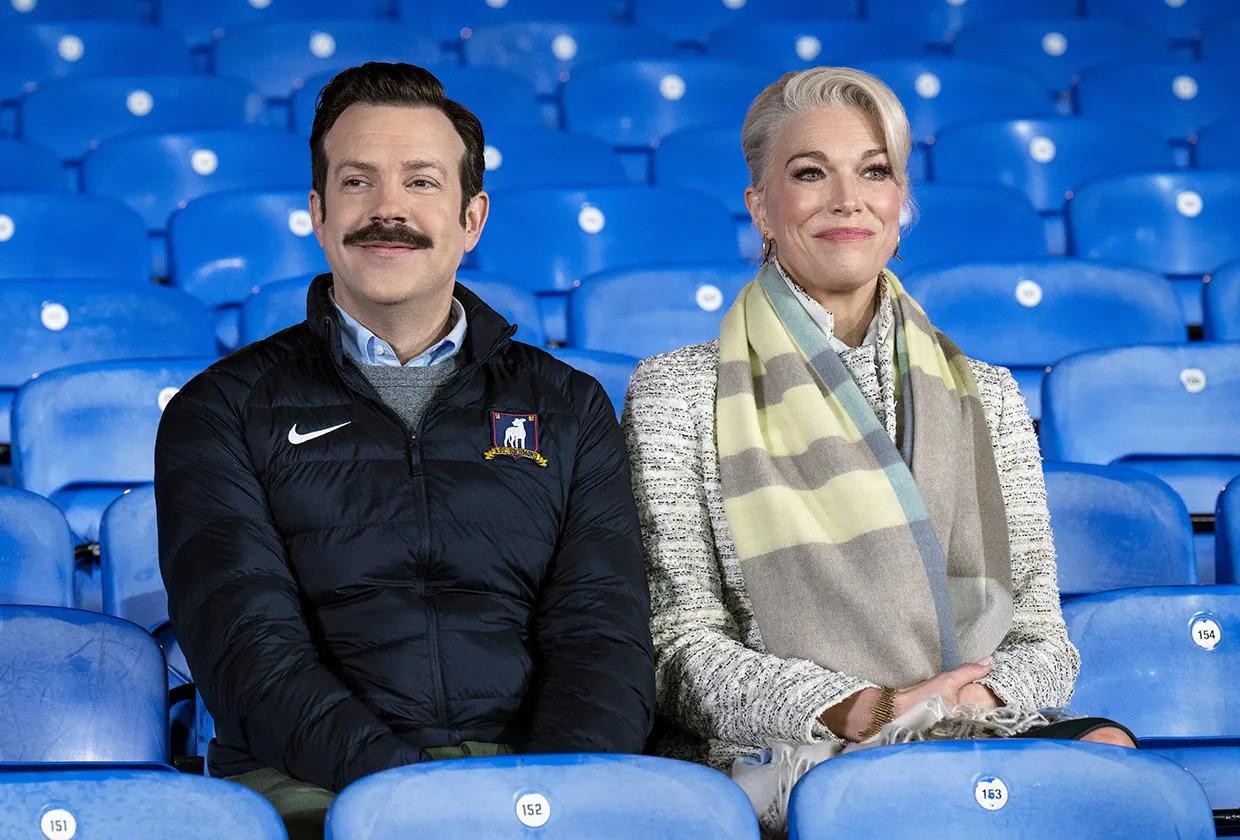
(889, 564)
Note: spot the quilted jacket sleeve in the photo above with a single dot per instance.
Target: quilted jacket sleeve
(594, 680)
(235, 606)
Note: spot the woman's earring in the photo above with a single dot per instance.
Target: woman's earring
(768, 249)
(896, 254)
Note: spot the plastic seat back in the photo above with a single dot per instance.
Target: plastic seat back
(1227, 533)
(224, 245)
(1117, 528)
(108, 239)
(1178, 98)
(551, 238)
(535, 156)
(612, 370)
(801, 44)
(456, 20)
(29, 167)
(695, 20)
(1221, 304)
(204, 22)
(1046, 159)
(648, 310)
(1165, 409)
(1181, 21)
(959, 223)
(73, 116)
(998, 788)
(133, 804)
(559, 796)
(937, 92)
(129, 554)
(939, 22)
(81, 687)
(158, 174)
(1160, 659)
(36, 551)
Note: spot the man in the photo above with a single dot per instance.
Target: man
(392, 533)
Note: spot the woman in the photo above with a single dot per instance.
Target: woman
(843, 516)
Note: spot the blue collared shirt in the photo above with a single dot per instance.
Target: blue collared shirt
(365, 348)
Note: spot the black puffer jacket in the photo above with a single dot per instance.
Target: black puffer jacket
(350, 598)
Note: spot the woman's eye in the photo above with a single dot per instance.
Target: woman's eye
(881, 172)
(809, 173)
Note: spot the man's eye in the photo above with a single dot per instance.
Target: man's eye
(353, 182)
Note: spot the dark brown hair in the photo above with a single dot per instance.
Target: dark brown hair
(382, 83)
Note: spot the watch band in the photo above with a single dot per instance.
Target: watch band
(884, 711)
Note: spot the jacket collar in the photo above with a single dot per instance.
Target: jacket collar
(488, 330)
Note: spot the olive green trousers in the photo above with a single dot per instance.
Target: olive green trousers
(303, 806)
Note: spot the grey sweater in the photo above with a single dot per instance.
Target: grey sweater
(714, 678)
(408, 390)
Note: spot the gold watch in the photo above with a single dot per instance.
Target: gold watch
(884, 711)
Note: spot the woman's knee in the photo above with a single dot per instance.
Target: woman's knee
(1109, 735)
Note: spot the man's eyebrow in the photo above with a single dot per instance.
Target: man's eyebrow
(407, 166)
(814, 154)
(360, 165)
(414, 165)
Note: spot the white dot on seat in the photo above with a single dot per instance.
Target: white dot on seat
(139, 103)
(708, 297)
(322, 45)
(1184, 87)
(300, 223)
(58, 824)
(591, 219)
(71, 48)
(927, 85)
(1054, 44)
(956, 2)
(7, 227)
(734, 4)
(497, 4)
(1193, 380)
(204, 161)
(1042, 149)
(1174, 4)
(492, 158)
(672, 87)
(54, 316)
(564, 47)
(808, 47)
(24, 6)
(259, 4)
(1028, 293)
(1189, 204)
(165, 397)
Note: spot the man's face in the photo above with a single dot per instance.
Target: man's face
(392, 231)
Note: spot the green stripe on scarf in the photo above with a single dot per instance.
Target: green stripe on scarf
(889, 564)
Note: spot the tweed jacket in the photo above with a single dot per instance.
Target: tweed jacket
(714, 679)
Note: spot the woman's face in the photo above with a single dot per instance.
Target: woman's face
(829, 200)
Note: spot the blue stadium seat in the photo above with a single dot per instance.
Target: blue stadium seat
(939, 91)
(53, 323)
(998, 788)
(1047, 159)
(1227, 533)
(959, 223)
(157, 174)
(535, 156)
(1177, 20)
(205, 22)
(497, 97)
(72, 116)
(84, 434)
(278, 58)
(1221, 304)
(634, 103)
(225, 245)
(36, 551)
(457, 20)
(1167, 410)
(695, 20)
(1117, 528)
(35, 53)
(32, 11)
(29, 167)
(1178, 98)
(551, 238)
(1164, 661)
(1057, 50)
(108, 239)
(1178, 223)
(283, 304)
(1027, 316)
(938, 22)
(612, 370)
(644, 311)
(81, 687)
(547, 52)
(132, 804)
(1221, 37)
(551, 796)
(1218, 146)
(801, 44)
(129, 559)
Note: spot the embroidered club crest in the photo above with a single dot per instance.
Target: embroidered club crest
(515, 435)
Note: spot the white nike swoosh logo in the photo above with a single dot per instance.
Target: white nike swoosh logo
(296, 439)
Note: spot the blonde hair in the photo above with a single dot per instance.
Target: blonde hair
(825, 87)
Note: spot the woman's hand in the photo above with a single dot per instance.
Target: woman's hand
(851, 716)
(978, 695)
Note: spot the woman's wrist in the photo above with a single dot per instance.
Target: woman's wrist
(851, 716)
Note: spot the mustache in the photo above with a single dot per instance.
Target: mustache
(398, 234)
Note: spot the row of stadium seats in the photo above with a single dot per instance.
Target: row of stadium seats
(933, 22)
(1160, 659)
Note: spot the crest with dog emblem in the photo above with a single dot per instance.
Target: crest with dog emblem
(515, 435)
